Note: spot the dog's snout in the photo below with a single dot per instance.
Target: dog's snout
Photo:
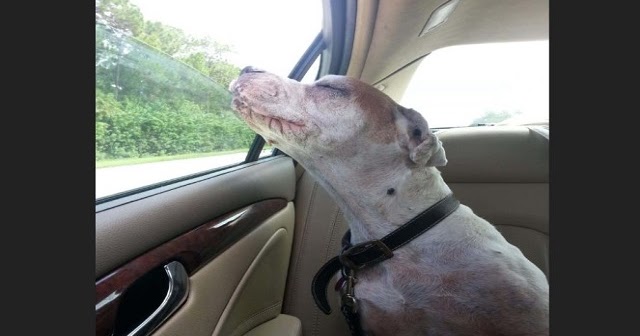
(250, 69)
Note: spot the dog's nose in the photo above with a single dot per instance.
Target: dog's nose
(250, 69)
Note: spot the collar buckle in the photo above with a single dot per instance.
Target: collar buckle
(376, 247)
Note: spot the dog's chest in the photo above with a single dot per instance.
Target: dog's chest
(414, 309)
(408, 297)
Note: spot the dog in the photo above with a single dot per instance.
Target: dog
(459, 278)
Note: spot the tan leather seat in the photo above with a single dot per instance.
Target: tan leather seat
(501, 172)
(319, 228)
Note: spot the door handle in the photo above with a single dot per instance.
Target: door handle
(175, 297)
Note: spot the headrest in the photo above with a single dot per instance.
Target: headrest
(495, 154)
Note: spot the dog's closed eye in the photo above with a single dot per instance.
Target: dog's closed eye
(325, 85)
(330, 87)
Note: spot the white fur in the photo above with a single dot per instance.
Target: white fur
(459, 278)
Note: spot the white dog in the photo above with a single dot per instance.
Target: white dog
(459, 278)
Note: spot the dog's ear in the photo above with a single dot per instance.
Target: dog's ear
(429, 153)
(425, 149)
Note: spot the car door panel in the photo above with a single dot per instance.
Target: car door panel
(231, 231)
(242, 287)
(163, 216)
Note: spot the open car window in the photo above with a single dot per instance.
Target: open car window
(162, 72)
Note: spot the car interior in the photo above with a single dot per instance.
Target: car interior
(233, 251)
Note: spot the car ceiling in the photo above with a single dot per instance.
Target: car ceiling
(387, 32)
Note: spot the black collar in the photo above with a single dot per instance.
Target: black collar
(372, 252)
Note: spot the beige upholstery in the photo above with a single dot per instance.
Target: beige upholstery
(282, 325)
(319, 228)
(393, 40)
(241, 288)
(165, 215)
(495, 154)
(500, 172)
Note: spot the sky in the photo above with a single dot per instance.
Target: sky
(269, 34)
(452, 89)
(449, 89)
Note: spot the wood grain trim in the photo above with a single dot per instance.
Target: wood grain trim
(193, 249)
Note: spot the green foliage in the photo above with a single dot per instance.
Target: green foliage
(159, 91)
(167, 39)
(121, 15)
(138, 128)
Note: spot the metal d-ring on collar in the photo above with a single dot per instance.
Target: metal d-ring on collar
(369, 253)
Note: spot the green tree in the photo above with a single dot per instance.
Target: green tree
(167, 39)
(160, 91)
(121, 15)
(124, 21)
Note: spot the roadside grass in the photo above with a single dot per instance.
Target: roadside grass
(133, 161)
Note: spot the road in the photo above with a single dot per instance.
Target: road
(112, 180)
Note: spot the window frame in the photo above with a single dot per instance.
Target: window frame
(332, 44)
(253, 154)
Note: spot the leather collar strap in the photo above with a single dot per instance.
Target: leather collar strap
(372, 252)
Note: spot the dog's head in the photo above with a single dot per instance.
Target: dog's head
(336, 116)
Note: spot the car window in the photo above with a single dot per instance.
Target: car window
(482, 84)
(162, 73)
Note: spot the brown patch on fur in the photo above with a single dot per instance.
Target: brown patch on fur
(380, 109)
(461, 317)
(451, 282)
(385, 322)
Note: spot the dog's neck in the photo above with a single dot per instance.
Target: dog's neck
(376, 202)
